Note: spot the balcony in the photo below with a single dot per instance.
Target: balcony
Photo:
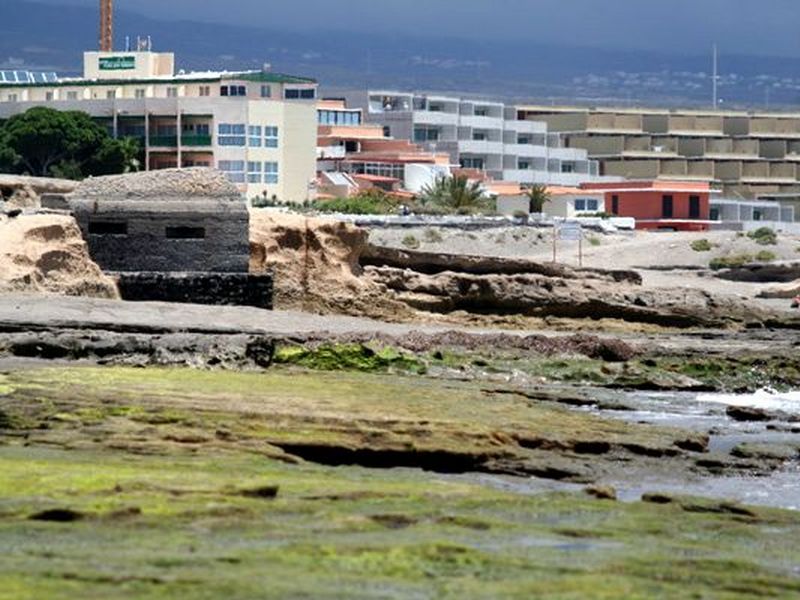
(164, 141)
(196, 140)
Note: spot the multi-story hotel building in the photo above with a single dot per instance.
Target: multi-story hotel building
(479, 134)
(258, 127)
(744, 154)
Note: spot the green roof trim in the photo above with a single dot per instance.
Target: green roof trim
(254, 76)
(267, 77)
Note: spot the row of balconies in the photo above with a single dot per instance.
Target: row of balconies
(703, 125)
(696, 147)
(706, 170)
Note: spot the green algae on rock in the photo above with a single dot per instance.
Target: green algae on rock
(354, 357)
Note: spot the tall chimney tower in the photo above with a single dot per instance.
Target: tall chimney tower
(106, 25)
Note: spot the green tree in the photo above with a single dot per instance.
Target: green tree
(45, 142)
(537, 197)
(454, 194)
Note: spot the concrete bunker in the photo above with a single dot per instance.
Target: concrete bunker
(178, 235)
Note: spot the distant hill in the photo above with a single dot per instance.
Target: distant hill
(48, 37)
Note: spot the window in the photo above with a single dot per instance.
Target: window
(270, 172)
(666, 207)
(266, 91)
(586, 204)
(479, 136)
(387, 131)
(567, 168)
(48, 96)
(481, 111)
(694, 207)
(523, 165)
(205, 90)
(233, 90)
(185, 233)
(111, 94)
(231, 134)
(139, 93)
(234, 169)
(108, 228)
(270, 137)
(172, 92)
(12, 97)
(714, 214)
(254, 136)
(615, 205)
(301, 94)
(523, 139)
(72, 95)
(756, 215)
(424, 134)
(254, 172)
(472, 163)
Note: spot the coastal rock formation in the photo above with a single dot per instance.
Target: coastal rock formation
(540, 296)
(46, 253)
(316, 265)
(432, 262)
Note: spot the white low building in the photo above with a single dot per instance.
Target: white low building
(258, 127)
(570, 203)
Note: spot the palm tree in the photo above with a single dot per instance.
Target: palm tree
(454, 194)
(537, 197)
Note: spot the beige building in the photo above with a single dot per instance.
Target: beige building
(745, 154)
(258, 127)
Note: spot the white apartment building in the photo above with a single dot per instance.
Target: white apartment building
(258, 127)
(479, 134)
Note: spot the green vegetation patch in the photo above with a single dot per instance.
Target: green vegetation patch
(765, 256)
(732, 261)
(764, 236)
(410, 242)
(702, 245)
(349, 357)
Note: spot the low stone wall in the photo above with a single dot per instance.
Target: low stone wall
(238, 289)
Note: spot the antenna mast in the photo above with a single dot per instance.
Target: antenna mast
(106, 25)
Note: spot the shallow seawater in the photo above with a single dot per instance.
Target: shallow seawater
(706, 412)
(788, 402)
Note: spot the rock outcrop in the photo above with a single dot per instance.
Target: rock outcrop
(316, 265)
(432, 262)
(46, 253)
(535, 295)
(763, 273)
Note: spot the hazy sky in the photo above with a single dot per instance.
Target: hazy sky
(691, 26)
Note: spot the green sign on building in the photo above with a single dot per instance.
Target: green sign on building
(117, 63)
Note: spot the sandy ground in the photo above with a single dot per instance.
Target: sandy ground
(644, 251)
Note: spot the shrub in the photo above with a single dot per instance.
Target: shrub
(765, 256)
(594, 241)
(410, 242)
(432, 236)
(730, 262)
(764, 236)
(701, 245)
(370, 202)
